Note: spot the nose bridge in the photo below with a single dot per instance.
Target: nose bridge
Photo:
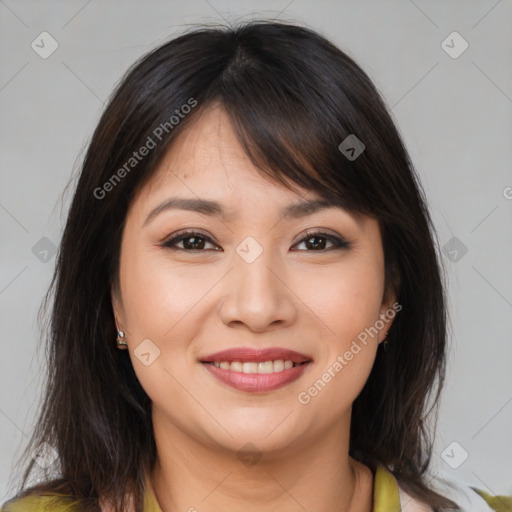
(253, 264)
(256, 294)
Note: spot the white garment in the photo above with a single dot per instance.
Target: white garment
(410, 504)
(461, 493)
(446, 485)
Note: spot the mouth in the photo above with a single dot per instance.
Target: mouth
(248, 369)
(265, 367)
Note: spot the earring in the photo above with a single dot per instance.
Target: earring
(121, 344)
(385, 343)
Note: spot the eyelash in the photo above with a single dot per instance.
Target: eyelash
(338, 243)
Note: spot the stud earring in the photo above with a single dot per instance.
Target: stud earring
(121, 344)
(385, 342)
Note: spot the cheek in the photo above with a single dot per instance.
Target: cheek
(164, 302)
(346, 298)
(158, 294)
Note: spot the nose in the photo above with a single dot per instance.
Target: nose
(258, 294)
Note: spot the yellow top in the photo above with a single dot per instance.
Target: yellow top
(386, 498)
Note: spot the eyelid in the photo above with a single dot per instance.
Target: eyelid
(317, 232)
(338, 241)
(178, 236)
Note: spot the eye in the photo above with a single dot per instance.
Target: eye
(191, 241)
(319, 241)
(194, 241)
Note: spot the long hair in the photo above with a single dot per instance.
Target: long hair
(293, 97)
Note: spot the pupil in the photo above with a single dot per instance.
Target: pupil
(317, 238)
(192, 245)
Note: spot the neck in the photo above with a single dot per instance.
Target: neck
(320, 476)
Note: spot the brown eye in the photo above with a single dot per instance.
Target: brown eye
(314, 242)
(192, 241)
(317, 242)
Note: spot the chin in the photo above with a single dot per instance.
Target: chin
(272, 435)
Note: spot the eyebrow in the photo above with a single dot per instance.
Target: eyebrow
(214, 208)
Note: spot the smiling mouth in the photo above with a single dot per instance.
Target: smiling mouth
(257, 376)
(264, 367)
(257, 370)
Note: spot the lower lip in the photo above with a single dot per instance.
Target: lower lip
(257, 382)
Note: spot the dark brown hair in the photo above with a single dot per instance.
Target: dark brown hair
(293, 97)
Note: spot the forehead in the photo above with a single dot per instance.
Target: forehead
(207, 148)
(207, 170)
(207, 158)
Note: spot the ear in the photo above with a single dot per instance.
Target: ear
(117, 308)
(390, 306)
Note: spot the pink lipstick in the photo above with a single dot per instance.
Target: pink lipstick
(256, 370)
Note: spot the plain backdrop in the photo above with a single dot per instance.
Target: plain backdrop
(452, 104)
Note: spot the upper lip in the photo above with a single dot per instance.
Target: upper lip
(248, 354)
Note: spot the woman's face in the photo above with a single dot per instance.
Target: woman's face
(248, 278)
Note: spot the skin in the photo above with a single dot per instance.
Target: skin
(190, 304)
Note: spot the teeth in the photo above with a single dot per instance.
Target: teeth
(235, 366)
(252, 367)
(279, 365)
(266, 367)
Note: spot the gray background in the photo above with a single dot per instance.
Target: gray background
(455, 116)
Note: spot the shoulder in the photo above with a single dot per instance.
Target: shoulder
(499, 503)
(470, 499)
(55, 502)
(467, 497)
(40, 503)
(410, 504)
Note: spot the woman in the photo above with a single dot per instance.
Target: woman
(199, 358)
